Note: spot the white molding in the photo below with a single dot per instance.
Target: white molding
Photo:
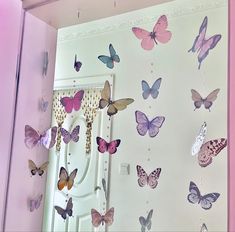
(174, 9)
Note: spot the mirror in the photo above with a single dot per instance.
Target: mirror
(158, 163)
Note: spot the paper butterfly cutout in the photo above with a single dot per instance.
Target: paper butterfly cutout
(47, 138)
(98, 219)
(153, 91)
(113, 106)
(65, 179)
(67, 137)
(207, 102)
(203, 45)
(68, 211)
(35, 203)
(34, 169)
(77, 64)
(43, 105)
(45, 63)
(199, 139)
(71, 103)
(209, 150)
(203, 228)
(104, 188)
(145, 179)
(146, 222)
(196, 197)
(144, 125)
(109, 60)
(159, 34)
(110, 147)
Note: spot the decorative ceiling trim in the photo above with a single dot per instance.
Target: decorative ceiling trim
(121, 22)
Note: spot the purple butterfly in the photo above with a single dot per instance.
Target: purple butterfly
(151, 179)
(35, 203)
(43, 105)
(146, 222)
(73, 136)
(153, 91)
(67, 211)
(77, 64)
(145, 125)
(196, 197)
(47, 138)
(203, 45)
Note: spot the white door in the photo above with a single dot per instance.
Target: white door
(87, 191)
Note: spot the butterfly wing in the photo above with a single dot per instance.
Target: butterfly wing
(69, 207)
(210, 98)
(196, 97)
(147, 42)
(143, 177)
(108, 217)
(32, 167)
(209, 150)
(208, 199)
(102, 145)
(77, 64)
(148, 220)
(67, 103)
(71, 178)
(66, 135)
(153, 178)
(77, 100)
(105, 95)
(162, 35)
(107, 60)
(142, 122)
(199, 139)
(154, 91)
(63, 177)
(143, 223)
(203, 228)
(207, 46)
(38, 201)
(113, 54)
(61, 212)
(42, 168)
(96, 218)
(154, 125)
(48, 137)
(119, 105)
(74, 135)
(146, 89)
(32, 137)
(194, 195)
(112, 146)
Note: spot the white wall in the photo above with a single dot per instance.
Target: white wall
(170, 150)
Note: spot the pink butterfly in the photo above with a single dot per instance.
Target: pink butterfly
(203, 45)
(159, 34)
(47, 138)
(209, 150)
(71, 103)
(104, 146)
(73, 136)
(151, 180)
(97, 218)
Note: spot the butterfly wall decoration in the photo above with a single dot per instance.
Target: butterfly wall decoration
(159, 34)
(73, 136)
(153, 91)
(43, 105)
(35, 203)
(109, 60)
(77, 64)
(45, 63)
(145, 179)
(34, 169)
(104, 186)
(33, 138)
(203, 228)
(110, 147)
(73, 102)
(199, 139)
(98, 219)
(113, 106)
(146, 223)
(65, 179)
(207, 102)
(202, 45)
(209, 150)
(144, 125)
(68, 211)
(205, 201)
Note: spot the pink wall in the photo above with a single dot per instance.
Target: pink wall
(232, 118)
(38, 37)
(10, 11)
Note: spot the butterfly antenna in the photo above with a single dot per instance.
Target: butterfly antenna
(155, 41)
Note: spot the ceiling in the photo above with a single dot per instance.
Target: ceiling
(63, 13)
